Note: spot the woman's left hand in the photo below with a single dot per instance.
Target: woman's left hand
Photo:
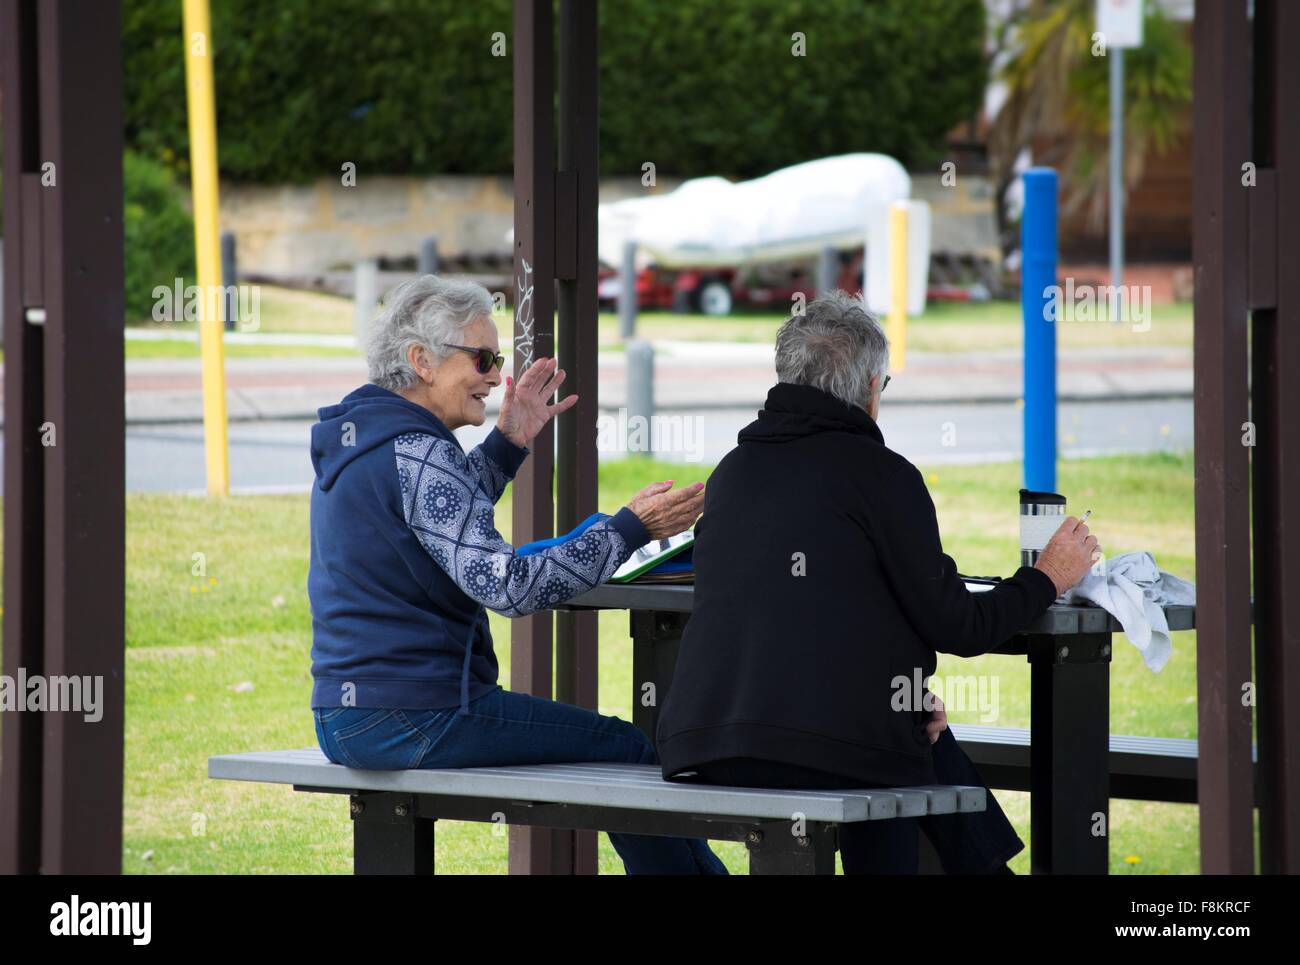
(524, 410)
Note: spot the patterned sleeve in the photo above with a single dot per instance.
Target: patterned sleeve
(446, 507)
(494, 463)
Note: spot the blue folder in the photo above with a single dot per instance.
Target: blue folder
(682, 562)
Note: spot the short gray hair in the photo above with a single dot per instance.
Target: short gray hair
(836, 345)
(426, 312)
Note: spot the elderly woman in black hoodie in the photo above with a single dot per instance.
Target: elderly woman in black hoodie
(820, 582)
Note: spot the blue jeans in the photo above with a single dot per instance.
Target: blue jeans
(976, 843)
(505, 728)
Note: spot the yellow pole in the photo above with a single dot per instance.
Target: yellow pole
(896, 325)
(203, 167)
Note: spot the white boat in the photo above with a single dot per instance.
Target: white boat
(791, 213)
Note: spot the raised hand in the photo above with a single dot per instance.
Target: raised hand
(525, 409)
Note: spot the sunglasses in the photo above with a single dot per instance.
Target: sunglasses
(486, 357)
(885, 384)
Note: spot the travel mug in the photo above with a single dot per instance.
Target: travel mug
(1041, 515)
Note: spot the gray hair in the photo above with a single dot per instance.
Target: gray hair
(836, 345)
(426, 312)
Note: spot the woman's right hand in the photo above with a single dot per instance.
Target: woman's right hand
(665, 513)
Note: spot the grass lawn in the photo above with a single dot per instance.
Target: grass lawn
(281, 310)
(172, 349)
(219, 663)
(945, 327)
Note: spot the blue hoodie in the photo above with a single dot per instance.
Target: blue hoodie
(405, 556)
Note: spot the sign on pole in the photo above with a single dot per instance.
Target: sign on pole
(1120, 24)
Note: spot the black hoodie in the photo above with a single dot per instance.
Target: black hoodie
(820, 584)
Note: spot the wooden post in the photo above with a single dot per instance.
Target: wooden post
(1220, 204)
(577, 181)
(534, 850)
(64, 580)
(1274, 211)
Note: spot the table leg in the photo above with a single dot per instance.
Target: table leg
(656, 637)
(1069, 754)
(388, 836)
(929, 862)
(774, 850)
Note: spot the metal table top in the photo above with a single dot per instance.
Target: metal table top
(1058, 621)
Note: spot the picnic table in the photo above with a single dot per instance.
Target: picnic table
(1069, 653)
(1069, 767)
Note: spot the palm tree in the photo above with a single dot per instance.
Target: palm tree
(1058, 95)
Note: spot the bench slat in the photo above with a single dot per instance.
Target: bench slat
(910, 802)
(1141, 768)
(632, 786)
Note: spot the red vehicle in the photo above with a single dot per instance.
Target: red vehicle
(716, 291)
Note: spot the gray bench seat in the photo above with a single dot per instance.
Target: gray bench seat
(1140, 768)
(598, 796)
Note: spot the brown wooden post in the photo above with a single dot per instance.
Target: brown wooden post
(60, 774)
(534, 850)
(1275, 410)
(20, 739)
(577, 196)
(1221, 147)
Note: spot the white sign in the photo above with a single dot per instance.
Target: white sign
(1120, 22)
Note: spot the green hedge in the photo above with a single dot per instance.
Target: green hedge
(158, 234)
(696, 86)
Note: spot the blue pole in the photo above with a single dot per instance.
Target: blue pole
(1037, 276)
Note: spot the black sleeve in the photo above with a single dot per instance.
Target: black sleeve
(947, 616)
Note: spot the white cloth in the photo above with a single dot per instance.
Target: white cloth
(1132, 589)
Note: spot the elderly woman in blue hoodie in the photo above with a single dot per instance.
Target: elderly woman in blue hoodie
(406, 559)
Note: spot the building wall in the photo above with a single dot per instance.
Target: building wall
(1157, 214)
(325, 226)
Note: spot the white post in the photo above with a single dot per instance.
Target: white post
(365, 297)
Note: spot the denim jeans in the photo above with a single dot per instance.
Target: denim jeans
(980, 842)
(505, 728)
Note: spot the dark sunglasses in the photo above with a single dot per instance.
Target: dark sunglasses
(885, 384)
(486, 357)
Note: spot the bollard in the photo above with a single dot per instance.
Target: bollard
(429, 256)
(641, 388)
(1037, 278)
(365, 297)
(896, 324)
(827, 270)
(627, 293)
(230, 279)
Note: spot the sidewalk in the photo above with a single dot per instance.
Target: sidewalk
(689, 376)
